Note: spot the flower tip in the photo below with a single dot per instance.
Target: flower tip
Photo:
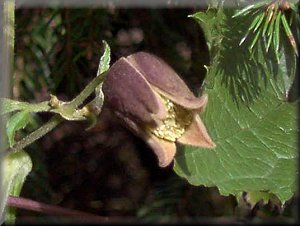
(197, 135)
(210, 144)
(164, 150)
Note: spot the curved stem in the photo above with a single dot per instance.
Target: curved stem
(57, 119)
(32, 205)
(87, 91)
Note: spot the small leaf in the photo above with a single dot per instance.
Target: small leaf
(103, 67)
(105, 59)
(8, 106)
(209, 23)
(16, 166)
(14, 123)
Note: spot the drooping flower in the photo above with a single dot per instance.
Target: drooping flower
(150, 99)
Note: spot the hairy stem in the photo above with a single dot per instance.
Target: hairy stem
(35, 135)
(56, 120)
(87, 91)
(8, 106)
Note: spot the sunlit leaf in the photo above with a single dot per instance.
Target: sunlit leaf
(249, 119)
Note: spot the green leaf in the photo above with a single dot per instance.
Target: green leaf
(249, 119)
(105, 60)
(8, 106)
(16, 166)
(255, 197)
(209, 22)
(103, 67)
(14, 123)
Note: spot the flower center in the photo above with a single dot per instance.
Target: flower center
(176, 122)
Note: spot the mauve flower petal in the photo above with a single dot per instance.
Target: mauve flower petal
(126, 91)
(165, 79)
(164, 150)
(197, 135)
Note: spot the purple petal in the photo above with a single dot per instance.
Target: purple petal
(127, 92)
(164, 150)
(165, 79)
(197, 135)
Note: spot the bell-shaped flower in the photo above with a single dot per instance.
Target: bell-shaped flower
(150, 99)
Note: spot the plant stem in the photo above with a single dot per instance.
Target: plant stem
(87, 91)
(35, 135)
(29, 204)
(57, 119)
(8, 106)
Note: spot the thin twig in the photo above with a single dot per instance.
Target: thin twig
(28, 204)
(57, 119)
(87, 91)
(37, 134)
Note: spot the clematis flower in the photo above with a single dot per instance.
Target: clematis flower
(150, 99)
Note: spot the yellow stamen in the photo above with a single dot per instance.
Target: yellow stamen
(176, 122)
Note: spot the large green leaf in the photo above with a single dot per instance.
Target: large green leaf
(248, 116)
(16, 166)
